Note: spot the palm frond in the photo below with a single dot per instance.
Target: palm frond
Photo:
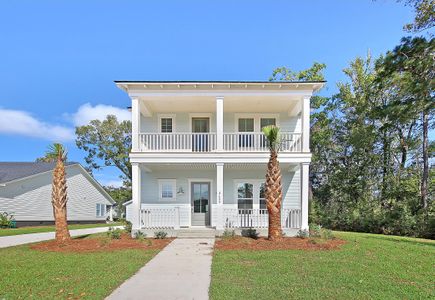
(272, 135)
(55, 152)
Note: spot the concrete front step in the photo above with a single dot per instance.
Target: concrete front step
(196, 233)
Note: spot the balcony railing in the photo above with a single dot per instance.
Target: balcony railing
(207, 142)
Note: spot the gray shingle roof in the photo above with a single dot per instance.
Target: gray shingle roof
(15, 170)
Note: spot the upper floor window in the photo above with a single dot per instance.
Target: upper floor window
(267, 122)
(246, 124)
(166, 124)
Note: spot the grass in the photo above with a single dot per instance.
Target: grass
(369, 266)
(39, 229)
(30, 274)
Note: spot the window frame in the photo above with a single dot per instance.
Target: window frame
(255, 191)
(173, 183)
(100, 210)
(257, 120)
(166, 116)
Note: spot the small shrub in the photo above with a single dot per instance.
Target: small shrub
(315, 230)
(303, 234)
(250, 233)
(148, 242)
(327, 234)
(6, 220)
(114, 234)
(160, 234)
(228, 233)
(139, 235)
(127, 226)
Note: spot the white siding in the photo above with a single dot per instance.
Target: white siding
(150, 189)
(32, 197)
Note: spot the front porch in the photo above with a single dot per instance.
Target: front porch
(153, 218)
(176, 198)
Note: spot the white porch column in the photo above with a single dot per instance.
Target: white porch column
(136, 195)
(135, 124)
(219, 196)
(219, 123)
(304, 170)
(306, 124)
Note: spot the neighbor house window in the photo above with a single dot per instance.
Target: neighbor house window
(100, 210)
(166, 124)
(167, 189)
(245, 195)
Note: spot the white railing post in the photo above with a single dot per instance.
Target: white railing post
(219, 123)
(177, 218)
(306, 124)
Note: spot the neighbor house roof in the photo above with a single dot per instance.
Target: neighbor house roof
(10, 171)
(13, 171)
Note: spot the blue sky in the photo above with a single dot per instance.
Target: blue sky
(58, 59)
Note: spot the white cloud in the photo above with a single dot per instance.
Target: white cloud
(87, 112)
(23, 123)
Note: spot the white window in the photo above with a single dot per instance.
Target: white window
(166, 123)
(100, 210)
(245, 195)
(250, 194)
(167, 189)
(262, 196)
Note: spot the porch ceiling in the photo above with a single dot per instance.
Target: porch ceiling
(249, 104)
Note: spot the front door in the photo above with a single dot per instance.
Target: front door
(200, 129)
(200, 193)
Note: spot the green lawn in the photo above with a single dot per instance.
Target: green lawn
(30, 274)
(39, 229)
(368, 267)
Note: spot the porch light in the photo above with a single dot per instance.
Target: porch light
(180, 191)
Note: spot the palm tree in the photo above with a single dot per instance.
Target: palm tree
(273, 191)
(59, 193)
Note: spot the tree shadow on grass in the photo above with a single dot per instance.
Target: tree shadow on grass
(398, 239)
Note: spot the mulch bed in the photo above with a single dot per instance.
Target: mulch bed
(287, 243)
(101, 243)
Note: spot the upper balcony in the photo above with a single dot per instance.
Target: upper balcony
(226, 117)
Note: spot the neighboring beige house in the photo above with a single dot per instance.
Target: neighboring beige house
(25, 192)
(199, 157)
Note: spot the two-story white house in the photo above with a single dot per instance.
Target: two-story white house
(199, 157)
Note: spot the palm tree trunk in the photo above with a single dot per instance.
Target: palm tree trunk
(274, 196)
(59, 199)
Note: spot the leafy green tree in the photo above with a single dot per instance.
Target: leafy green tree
(120, 195)
(314, 73)
(424, 15)
(107, 143)
(411, 70)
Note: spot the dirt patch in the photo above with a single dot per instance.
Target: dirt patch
(102, 243)
(243, 243)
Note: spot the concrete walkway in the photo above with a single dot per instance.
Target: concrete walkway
(14, 240)
(180, 271)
